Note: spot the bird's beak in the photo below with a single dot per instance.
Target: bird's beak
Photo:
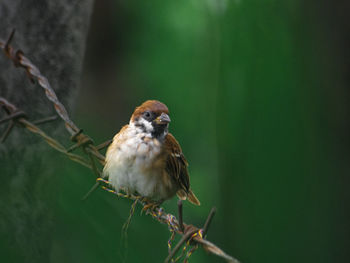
(163, 119)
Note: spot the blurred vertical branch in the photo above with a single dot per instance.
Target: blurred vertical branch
(56, 30)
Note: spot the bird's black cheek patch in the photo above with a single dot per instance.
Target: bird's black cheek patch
(159, 130)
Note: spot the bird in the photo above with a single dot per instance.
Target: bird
(146, 160)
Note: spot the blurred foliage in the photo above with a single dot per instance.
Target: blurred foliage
(246, 88)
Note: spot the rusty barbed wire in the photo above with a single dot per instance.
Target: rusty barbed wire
(19, 60)
(33, 72)
(190, 234)
(14, 116)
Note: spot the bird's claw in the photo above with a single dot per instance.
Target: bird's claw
(149, 205)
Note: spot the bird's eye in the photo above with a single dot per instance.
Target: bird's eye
(147, 114)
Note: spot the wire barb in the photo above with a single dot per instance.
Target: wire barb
(7, 132)
(208, 221)
(181, 224)
(45, 120)
(104, 145)
(8, 41)
(14, 115)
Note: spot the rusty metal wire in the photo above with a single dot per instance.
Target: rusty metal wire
(190, 234)
(13, 117)
(19, 60)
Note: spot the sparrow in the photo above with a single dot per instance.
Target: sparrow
(145, 159)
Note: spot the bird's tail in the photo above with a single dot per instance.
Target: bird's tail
(192, 198)
(190, 195)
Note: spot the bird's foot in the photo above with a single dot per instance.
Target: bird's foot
(150, 205)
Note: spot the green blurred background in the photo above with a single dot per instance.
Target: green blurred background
(258, 97)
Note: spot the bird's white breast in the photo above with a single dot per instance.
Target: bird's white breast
(128, 160)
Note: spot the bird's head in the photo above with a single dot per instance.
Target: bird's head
(152, 117)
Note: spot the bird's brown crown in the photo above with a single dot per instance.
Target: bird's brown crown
(150, 105)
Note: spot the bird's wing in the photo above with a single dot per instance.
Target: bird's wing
(176, 164)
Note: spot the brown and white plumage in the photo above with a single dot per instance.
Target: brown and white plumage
(144, 158)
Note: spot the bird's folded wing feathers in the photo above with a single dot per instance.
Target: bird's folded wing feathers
(176, 167)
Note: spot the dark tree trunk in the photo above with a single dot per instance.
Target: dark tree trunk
(52, 35)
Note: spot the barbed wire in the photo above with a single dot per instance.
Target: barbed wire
(191, 235)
